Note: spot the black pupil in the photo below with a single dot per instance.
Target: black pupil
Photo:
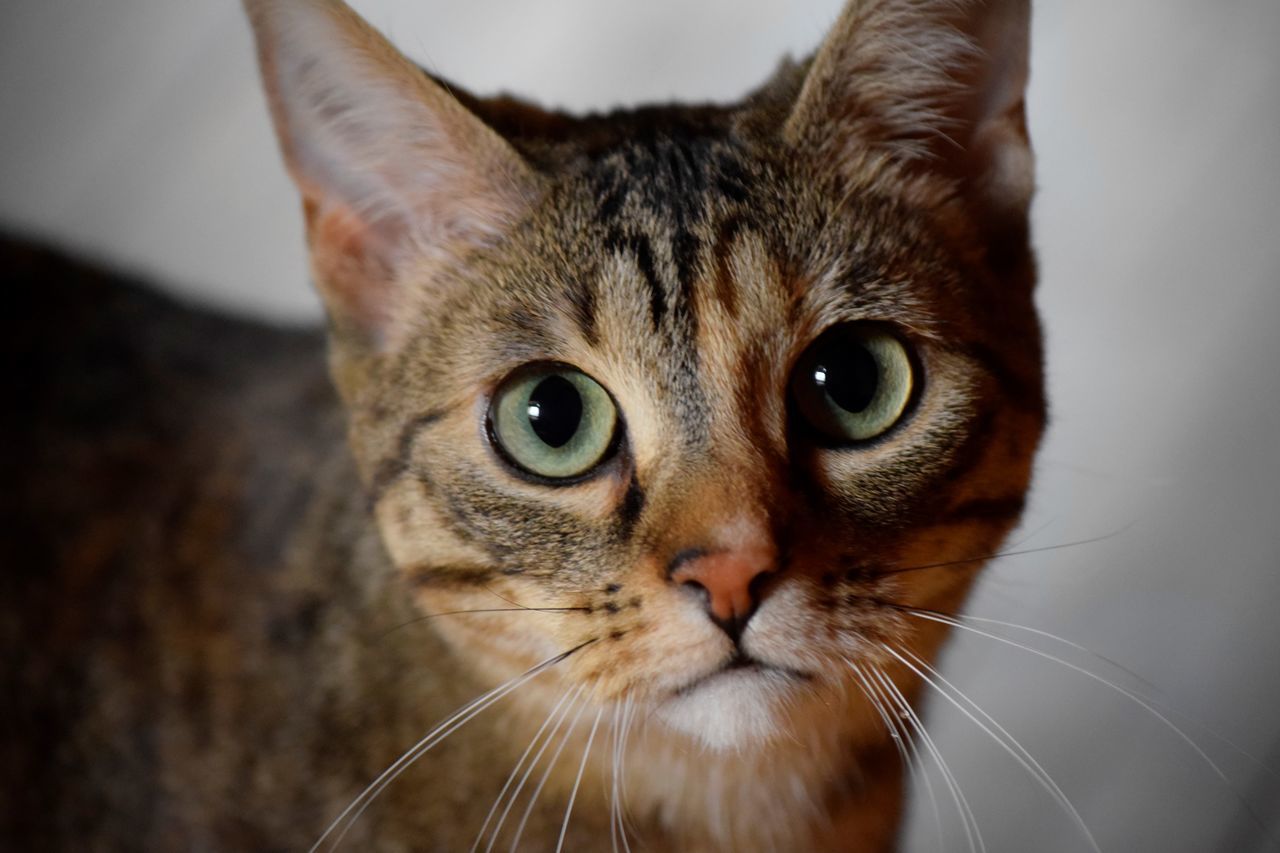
(849, 375)
(555, 410)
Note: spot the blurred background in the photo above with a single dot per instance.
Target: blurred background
(134, 132)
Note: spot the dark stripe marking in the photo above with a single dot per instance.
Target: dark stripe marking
(461, 525)
(732, 180)
(611, 190)
(684, 253)
(725, 287)
(395, 467)
(582, 295)
(639, 247)
(632, 506)
(449, 576)
(683, 556)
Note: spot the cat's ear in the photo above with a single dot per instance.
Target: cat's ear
(933, 84)
(397, 177)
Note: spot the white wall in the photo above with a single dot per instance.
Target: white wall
(134, 130)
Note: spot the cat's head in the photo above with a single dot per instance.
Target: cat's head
(726, 394)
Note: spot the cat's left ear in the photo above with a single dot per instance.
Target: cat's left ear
(935, 85)
(398, 178)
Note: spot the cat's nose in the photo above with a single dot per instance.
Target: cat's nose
(730, 581)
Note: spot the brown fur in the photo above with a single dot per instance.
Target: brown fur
(229, 612)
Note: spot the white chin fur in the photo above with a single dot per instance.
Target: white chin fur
(732, 710)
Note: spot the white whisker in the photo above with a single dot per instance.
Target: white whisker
(614, 733)
(1008, 742)
(899, 735)
(617, 828)
(573, 795)
(546, 774)
(628, 719)
(523, 757)
(460, 717)
(515, 794)
(962, 802)
(1163, 705)
(1124, 691)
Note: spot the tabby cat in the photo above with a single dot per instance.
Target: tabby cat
(664, 442)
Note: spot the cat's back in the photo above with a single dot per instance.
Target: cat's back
(122, 403)
(98, 367)
(151, 454)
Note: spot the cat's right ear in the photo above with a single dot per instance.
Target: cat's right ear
(934, 87)
(398, 179)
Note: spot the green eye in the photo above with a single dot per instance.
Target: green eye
(552, 420)
(853, 383)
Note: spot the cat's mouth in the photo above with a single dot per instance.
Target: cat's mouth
(741, 663)
(737, 703)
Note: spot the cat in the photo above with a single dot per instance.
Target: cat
(664, 444)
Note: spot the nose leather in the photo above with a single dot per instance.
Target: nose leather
(727, 578)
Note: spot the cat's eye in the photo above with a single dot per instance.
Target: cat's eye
(853, 383)
(552, 421)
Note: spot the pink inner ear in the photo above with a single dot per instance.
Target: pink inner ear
(390, 165)
(352, 264)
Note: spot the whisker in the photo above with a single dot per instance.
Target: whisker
(523, 757)
(923, 775)
(1124, 691)
(897, 570)
(890, 724)
(515, 795)
(520, 606)
(1031, 534)
(966, 813)
(460, 717)
(573, 795)
(905, 722)
(546, 774)
(614, 731)
(1009, 743)
(628, 720)
(898, 733)
(621, 727)
(1163, 705)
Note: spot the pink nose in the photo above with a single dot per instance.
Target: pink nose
(728, 579)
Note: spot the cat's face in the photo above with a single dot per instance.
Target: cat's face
(706, 442)
(719, 399)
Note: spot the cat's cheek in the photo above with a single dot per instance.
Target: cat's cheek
(489, 645)
(416, 533)
(801, 628)
(790, 630)
(670, 646)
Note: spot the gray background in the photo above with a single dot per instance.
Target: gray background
(134, 130)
